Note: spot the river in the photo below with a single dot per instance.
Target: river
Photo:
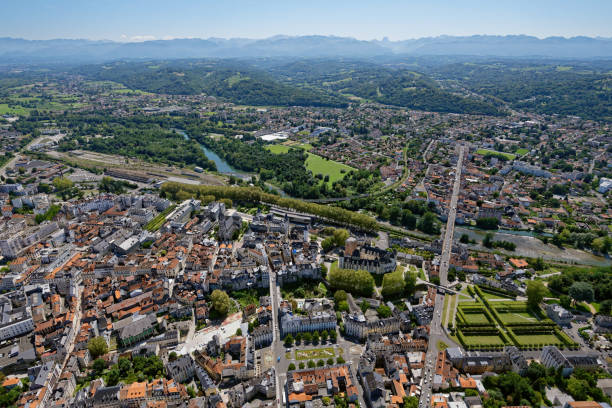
(222, 166)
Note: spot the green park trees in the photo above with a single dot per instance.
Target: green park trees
(221, 302)
(359, 282)
(535, 293)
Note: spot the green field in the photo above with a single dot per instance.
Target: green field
(517, 317)
(16, 110)
(490, 296)
(482, 340)
(522, 151)
(475, 318)
(485, 152)
(316, 164)
(325, 352)
(525, 339)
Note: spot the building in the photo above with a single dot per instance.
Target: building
(228, 225)
(558, 314)
(262, 335)
(14, 322)
(357, 326)
(317, 321)
(371, 259)
(182, 369)
(138, 330)
(315, 383)
(552, 357)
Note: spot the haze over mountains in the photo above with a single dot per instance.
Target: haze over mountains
(13, 50)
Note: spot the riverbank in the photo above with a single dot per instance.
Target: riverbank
(531, 247)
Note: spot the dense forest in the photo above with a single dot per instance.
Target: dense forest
(131, 137)
(548, 87)
(390, 86)
(235, 82)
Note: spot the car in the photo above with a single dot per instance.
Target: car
(278, 359)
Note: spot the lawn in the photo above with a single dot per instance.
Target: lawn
(316, 164)
(521, 151)
(475, 318)
(483, 340)
(17, 110)
(318, 353)
(537, 339)
(485, 152)
(490, 296)
(517, 317)
(333, 169)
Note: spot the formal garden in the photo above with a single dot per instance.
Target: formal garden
(491, 325)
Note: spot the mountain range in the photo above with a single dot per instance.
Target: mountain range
(15, 50)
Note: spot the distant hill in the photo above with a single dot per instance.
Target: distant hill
(14, 50)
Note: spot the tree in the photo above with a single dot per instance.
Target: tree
(125, 365)
(301, 365)
(465, 239)
(354, 281)
(565, 301)
(330, 361)
(307, 337)
(315, 337)
(298, 338)
(340, 296)
(364, 306)
(487, 242)
(62, 184)
(428, 223)
(288, 340)
(535, 293)
(324, 335)
(333, 335)
(97, 347)
(340, 360)
(238, 332)
(537, 264)
(410, 279)
(411, 402)
(291, 367)
(113, 376)
(320, 363)
(605, 307)
(191, 392)
(311, 364)
(393, 284)
(488, 223)
(340, 235)
(221, 302)
(383, 311)
(99, 365)
(581, 291)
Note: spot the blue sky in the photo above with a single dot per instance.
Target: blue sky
(133, 20)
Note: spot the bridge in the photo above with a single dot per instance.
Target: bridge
(444, 289)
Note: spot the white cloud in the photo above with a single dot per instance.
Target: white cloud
(141, 38)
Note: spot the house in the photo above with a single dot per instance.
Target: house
(182, 369)
(138, 330)
(558, 314)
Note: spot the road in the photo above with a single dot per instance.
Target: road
(436, 331)
(11, 163)
(277, 347)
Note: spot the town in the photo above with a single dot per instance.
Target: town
(411, 258)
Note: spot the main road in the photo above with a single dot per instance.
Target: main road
(436, 332)
(277, 347)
